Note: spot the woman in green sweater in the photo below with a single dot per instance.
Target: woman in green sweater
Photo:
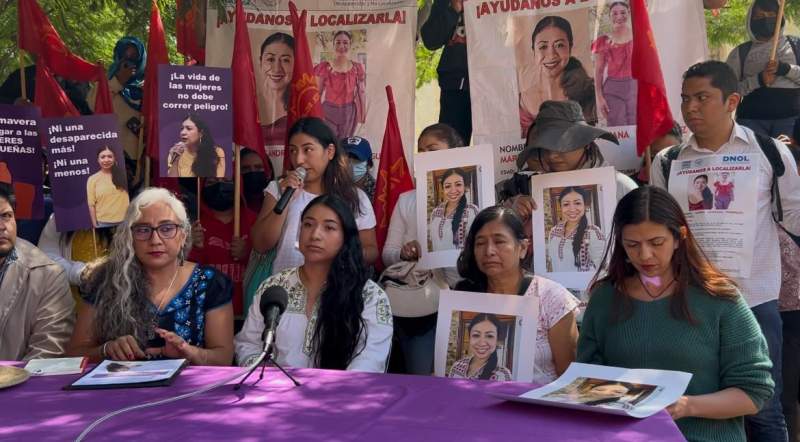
(663, 305)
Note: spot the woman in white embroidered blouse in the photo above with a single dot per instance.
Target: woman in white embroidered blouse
(336, 318)
(450, 220)
(574, 244)
(491, 262)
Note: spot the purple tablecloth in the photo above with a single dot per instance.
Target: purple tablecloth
(329, 406)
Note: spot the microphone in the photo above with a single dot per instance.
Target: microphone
(273, 303)
(287, 194)
(174, 154)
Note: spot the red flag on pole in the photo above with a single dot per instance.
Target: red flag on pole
(304, 99)
(38, 36)
(156, 54)
(49, 95)
(653, 116)
(246, 129)
(186, 36)
(394, 176)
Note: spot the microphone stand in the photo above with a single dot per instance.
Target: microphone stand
(264, 358)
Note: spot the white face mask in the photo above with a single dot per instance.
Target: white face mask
(359, 169)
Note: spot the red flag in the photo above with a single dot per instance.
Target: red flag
(50, 97)
(304, 99)
(246, 130)
(156, 55)
(38, 36)
(653, 116)
(394, 176)
(186, 30)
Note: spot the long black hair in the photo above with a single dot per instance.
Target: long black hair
(491, 364)
(467, 264)
(690, 266)
(288, 40)
(337, 178)
(577, 240)
(339, 325)
(119, 177)
(576, 82)
(708, 196)
(462, 202)
(205, 164)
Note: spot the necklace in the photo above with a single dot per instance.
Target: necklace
(658, 295)
(164, 297)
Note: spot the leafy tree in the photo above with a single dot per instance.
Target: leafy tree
(728, 25)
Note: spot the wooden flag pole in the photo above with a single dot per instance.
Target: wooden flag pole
(22, 79)
(777, 34)
(94, 241)
(648, 162)
(198, 199)
(140, 151)
(237, 190)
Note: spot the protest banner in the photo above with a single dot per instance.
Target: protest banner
(450, 186)
(21, 159)
(358, 48)
(521, 53)
(572, 223)
(87, 171)
(195, 121)
(476, 325)
(718, 195)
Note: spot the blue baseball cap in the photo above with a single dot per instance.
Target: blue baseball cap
(358, 147)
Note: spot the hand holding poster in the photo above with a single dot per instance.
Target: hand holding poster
(474, 329)
(572, 223)
(195, 123)
(21, 159)
(450, 187)
(87, 171)
(610, 390)
(719, 207)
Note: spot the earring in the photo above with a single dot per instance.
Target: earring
(181, 257)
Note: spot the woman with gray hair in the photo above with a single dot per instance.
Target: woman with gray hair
(145, 301)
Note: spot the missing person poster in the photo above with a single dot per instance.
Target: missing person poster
(195, 122)
(87, 171)
(522, 53)
(21, 160)
(718, 195)
(486, 336)
(357, 48)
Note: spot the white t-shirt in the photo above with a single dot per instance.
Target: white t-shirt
(288, 254)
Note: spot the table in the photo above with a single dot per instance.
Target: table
(329, 406)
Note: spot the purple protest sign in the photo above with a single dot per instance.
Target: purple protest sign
(87, 171)
(21, 159)
(195, 121)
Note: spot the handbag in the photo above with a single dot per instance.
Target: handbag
(412, 293)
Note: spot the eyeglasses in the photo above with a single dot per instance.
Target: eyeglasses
(143, 232)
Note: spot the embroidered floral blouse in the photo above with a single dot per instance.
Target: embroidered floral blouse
(293, 337)
(460, 370)
(561, 256)
(441, 227)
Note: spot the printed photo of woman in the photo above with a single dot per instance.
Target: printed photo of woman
(342, 85)
(196, 154)
(601, 392)
(700, 196)
(485, 331)
(613, 79)
(107, 190)
(450, 221)
(723, 192)
(558, 75)
(277, 65)
(574, 244)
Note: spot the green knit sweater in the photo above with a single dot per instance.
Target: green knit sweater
(725, 348)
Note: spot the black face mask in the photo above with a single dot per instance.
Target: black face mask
(253, 183)
(218, 196)
(763, 28)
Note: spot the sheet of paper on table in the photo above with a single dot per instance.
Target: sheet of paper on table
(111, 374)
(56, 366)
(628, 392)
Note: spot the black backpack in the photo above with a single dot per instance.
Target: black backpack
(770, 150)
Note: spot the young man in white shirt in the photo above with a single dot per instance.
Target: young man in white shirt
(708, 102)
